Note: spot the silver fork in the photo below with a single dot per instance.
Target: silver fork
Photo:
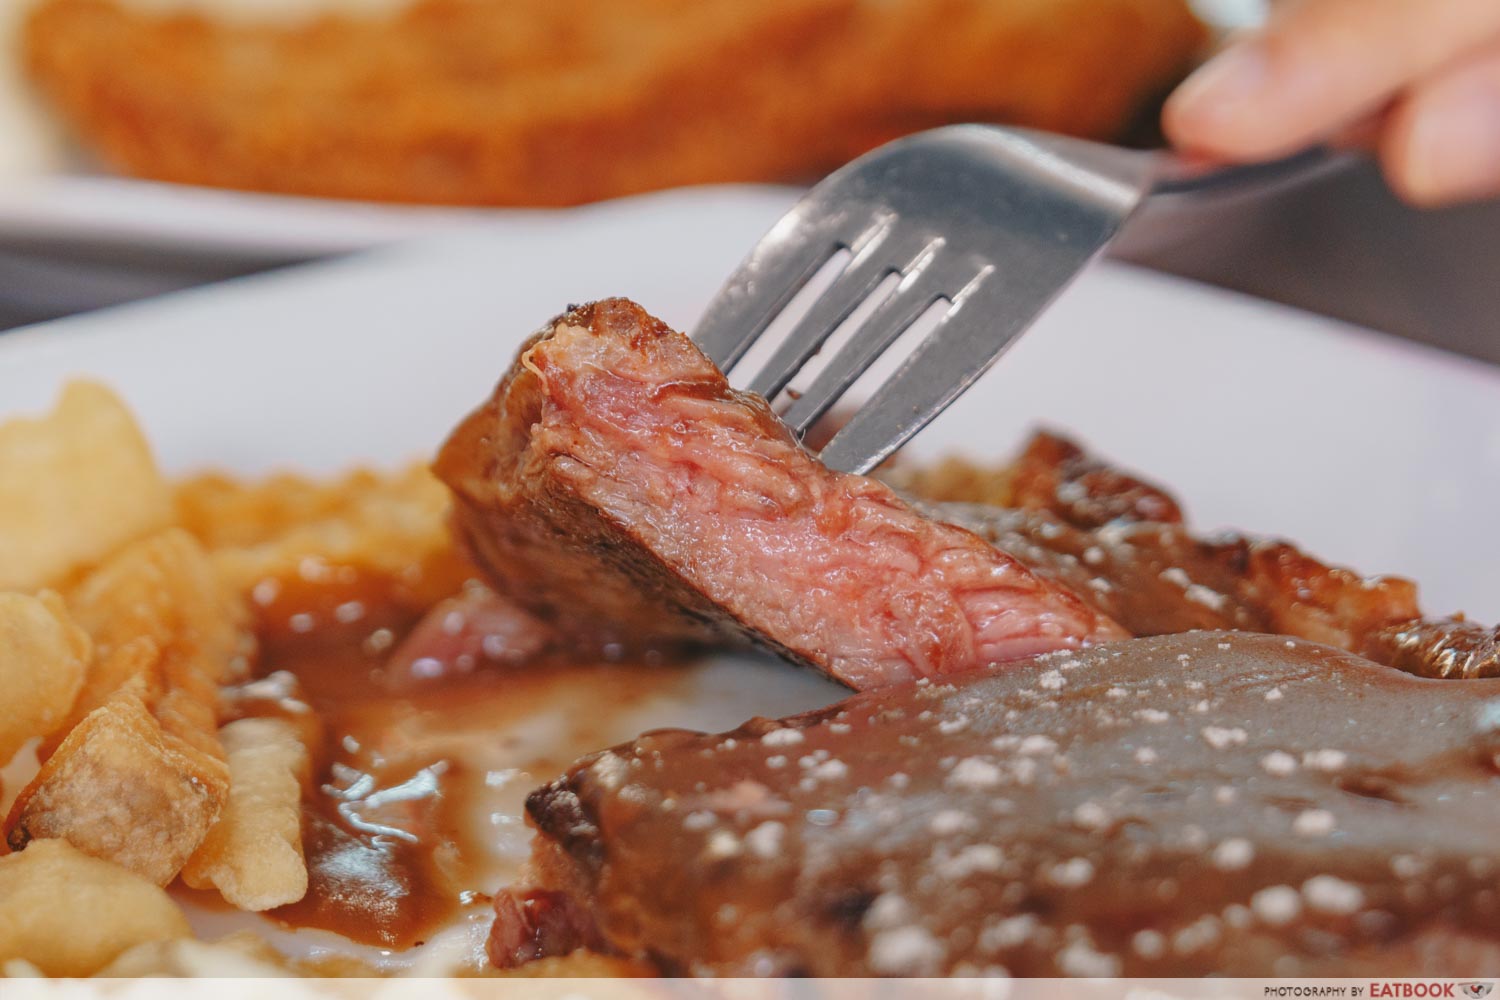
(994, 221)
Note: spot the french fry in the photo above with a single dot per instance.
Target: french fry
(132, 663)
(365, 529)
(122, 788)
(69, 914)
(161, 594)
(43, 656)
(253, 854)
(139, 777)
(165, 587)
(78, 483)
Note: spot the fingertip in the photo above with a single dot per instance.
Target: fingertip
(1403, 170)
(1242, 105)
(1207, 112)
(1442, 144)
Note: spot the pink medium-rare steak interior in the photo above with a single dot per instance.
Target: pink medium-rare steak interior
(615, 480)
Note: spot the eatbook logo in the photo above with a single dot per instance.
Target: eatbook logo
(1476, 991)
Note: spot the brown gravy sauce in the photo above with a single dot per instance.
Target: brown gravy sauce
(415, 781)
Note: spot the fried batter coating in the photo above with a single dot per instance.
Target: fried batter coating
(141, 776)
(540, 102)
(78, 483)
(122, 788)
(362, 534)
(43, 656)
(67, 914)
(158, 612)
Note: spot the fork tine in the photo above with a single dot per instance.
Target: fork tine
(835, 305)
(987, 317)
(922, 285)
(775, 271)
(1008, 218)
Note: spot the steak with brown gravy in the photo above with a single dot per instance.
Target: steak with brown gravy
(1217, 803)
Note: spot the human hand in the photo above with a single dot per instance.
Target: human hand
(1422, 75)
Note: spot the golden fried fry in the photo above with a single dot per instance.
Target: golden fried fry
(141, 777)
(43, 656)
(157, 612)
(238, 955)
(68, 914)
(165, 587)
(253, 854)
(78, 483)
(133, 662)
(361, 534)
(122, 788)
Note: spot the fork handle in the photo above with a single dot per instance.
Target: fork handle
(1177, 175)
(1141, 172)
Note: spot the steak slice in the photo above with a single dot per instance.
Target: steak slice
(1121, 543)
(1211, 803)
(615, 482)
(1158, 579)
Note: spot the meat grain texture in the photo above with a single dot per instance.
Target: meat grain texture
(616, 482)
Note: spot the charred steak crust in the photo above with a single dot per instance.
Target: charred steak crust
(1051, 474)
(1444, 648)
(1211, 803)
(1121, 543)
(615, 480)
(1055, 474)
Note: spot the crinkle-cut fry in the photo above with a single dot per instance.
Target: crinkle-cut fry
(253, 854)
(122, 788)
(165, 587)
(163, 590)
(43, 657)
(69, 914)
(79, 483)
(388, 529)
(239, 955)
(131, 664)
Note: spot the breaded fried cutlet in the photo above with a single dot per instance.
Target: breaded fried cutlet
(556, 102)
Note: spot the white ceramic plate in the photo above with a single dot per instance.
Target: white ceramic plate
(1370, 451)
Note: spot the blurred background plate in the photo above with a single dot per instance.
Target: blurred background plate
(53, 195)
(72, 240)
